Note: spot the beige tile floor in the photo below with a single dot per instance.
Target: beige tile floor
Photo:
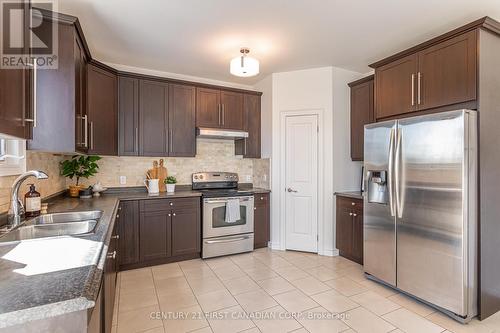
(271, 291)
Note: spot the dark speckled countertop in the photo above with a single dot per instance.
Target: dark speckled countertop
(46, 277)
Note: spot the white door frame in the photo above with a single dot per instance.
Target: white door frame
(282, 196)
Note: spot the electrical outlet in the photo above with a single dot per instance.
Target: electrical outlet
(248, 178)
(264, 178)
(123, 180)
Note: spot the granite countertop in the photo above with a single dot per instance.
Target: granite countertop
(350, 194)
(46, 277)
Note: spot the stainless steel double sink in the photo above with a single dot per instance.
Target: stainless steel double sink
(56, 224)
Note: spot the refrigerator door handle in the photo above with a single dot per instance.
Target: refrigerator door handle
(390, 168)
(397, 172)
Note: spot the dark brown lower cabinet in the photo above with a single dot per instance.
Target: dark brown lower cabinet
(110, 270)
(349, 228)
(261, 220)
(157, 231)
(128, 231)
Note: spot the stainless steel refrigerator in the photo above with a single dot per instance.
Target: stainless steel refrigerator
(420, 216)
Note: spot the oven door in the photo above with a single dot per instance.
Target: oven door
(214, 214)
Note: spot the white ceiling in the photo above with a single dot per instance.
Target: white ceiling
(199, 37)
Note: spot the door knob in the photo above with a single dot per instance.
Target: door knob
(290, 190)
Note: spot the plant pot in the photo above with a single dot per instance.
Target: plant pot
(170, 188)
(74, 190)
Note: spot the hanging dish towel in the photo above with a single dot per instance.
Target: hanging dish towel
(232, 211)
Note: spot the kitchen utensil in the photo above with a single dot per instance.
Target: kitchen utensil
(162, 175)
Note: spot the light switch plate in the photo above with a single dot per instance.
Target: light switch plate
(123, 180)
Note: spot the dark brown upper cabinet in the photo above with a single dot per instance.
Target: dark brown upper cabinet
(395, 87)
(447, 72)
(362, 113)
(60, 107)
(128, 116)
(217, 108)
(182, 120)
(439, 74)
(153, 118)
(250, 147)
(102, 110)
(16, 86)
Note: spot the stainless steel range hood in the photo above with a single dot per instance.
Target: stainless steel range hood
(217, 133)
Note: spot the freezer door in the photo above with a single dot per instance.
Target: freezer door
(379, 209)
(431, 174)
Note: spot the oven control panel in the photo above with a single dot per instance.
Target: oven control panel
(212, 177)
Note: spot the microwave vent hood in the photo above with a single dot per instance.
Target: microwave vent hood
(217, 133)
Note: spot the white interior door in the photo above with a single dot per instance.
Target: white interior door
(301, 182)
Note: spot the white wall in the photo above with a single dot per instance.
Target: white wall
(324, 89)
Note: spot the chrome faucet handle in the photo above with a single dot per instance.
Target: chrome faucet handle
(21, 207)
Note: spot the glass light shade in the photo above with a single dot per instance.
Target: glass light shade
(244, 66)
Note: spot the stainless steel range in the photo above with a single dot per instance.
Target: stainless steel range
(227, 214)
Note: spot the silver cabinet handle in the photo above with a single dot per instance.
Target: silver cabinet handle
(255, 208)
(219, 112)
(291, 190)
(350, 214)
(390, 172)
(226, 240)
(353, 204)
(354, 215)
(111, 255)
(136, 139)
(261, 198)
(173, 214)
(223, 122)
(171, 204)
(245, 146)
(115, 237)
(170, 137)
(86, 132)
(117, 216)
(35, 68)
(419, 79)
(412, 89)
(169, 214)
(92, 135)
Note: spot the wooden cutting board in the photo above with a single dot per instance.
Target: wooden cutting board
(162, 175)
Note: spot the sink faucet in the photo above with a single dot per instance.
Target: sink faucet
(16, 206)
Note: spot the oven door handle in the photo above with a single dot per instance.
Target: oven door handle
(224, 201)
(227, 240)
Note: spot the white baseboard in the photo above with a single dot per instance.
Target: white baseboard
(330, 253)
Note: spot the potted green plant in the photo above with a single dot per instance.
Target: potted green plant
(170, 181)
(79, 166)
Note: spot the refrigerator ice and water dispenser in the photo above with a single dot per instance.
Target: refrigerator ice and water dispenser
(377, 186)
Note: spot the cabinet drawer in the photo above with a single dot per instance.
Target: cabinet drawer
(261, 199)
(152, 205)
(351, 203)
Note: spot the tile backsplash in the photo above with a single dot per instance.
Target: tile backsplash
(46, 162)
(212, 155)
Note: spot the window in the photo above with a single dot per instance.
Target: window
(12, 157)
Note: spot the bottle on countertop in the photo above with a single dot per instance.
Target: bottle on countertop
(32, 202)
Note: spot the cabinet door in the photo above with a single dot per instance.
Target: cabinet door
(395, 87)
(232, 110)
(208, 111)
(154, 235)
(448, 72)
(250, 147)
(82, 141)
(186, 234)
(357, 233)
(110, 271)
(102, 111)
(153, 120)
(344, 228)
(261, 220)
(128, 231)
(182, 120)
(128, 116)
(361, 114)
(15, 102)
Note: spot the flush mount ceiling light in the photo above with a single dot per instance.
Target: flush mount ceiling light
(244, 65)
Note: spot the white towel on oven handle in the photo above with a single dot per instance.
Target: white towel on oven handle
(232, 211)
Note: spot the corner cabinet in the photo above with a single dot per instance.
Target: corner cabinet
(261, 220)
(361, 114)
(438, 75)
(349, 228)
(102, 110)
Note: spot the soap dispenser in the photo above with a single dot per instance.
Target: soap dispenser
(32, 202)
